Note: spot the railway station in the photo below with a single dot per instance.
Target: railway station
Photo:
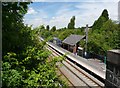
(49, 44)
(97, 71)
(81, 70)
(101, 72)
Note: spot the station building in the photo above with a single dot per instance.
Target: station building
(71, 43)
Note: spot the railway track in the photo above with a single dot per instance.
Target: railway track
(75, 75)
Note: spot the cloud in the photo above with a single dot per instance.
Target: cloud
(31, 11)
(59, 21)
(88, 12)
(93, 10)
(35, 22)
(85, 13)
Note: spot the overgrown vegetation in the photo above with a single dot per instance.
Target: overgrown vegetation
(24, 60)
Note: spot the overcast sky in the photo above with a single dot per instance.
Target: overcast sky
(50, 12)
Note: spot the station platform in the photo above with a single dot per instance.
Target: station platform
(94, 65)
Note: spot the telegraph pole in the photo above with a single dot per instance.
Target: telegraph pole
(86, 40)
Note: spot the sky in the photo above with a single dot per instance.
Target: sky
(58, 13)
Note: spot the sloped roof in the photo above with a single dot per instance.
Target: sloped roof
(73, 39)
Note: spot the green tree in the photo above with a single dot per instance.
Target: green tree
(71, 25)
(101, 20)
(105, 14)
(47, 27)
(53, 28)
(110, 31)
(24, 61)
(104, 39)
(42, 27)
(12, 18)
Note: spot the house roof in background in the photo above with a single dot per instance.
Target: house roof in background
(73, 39)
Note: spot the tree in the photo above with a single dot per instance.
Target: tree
(12, 18)
(101, 20)
(42, 27)
(53, 28)
(105, 14)
(106, 38)
(71, 25)
(111, 32)
(47, 27)
(24, 61)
